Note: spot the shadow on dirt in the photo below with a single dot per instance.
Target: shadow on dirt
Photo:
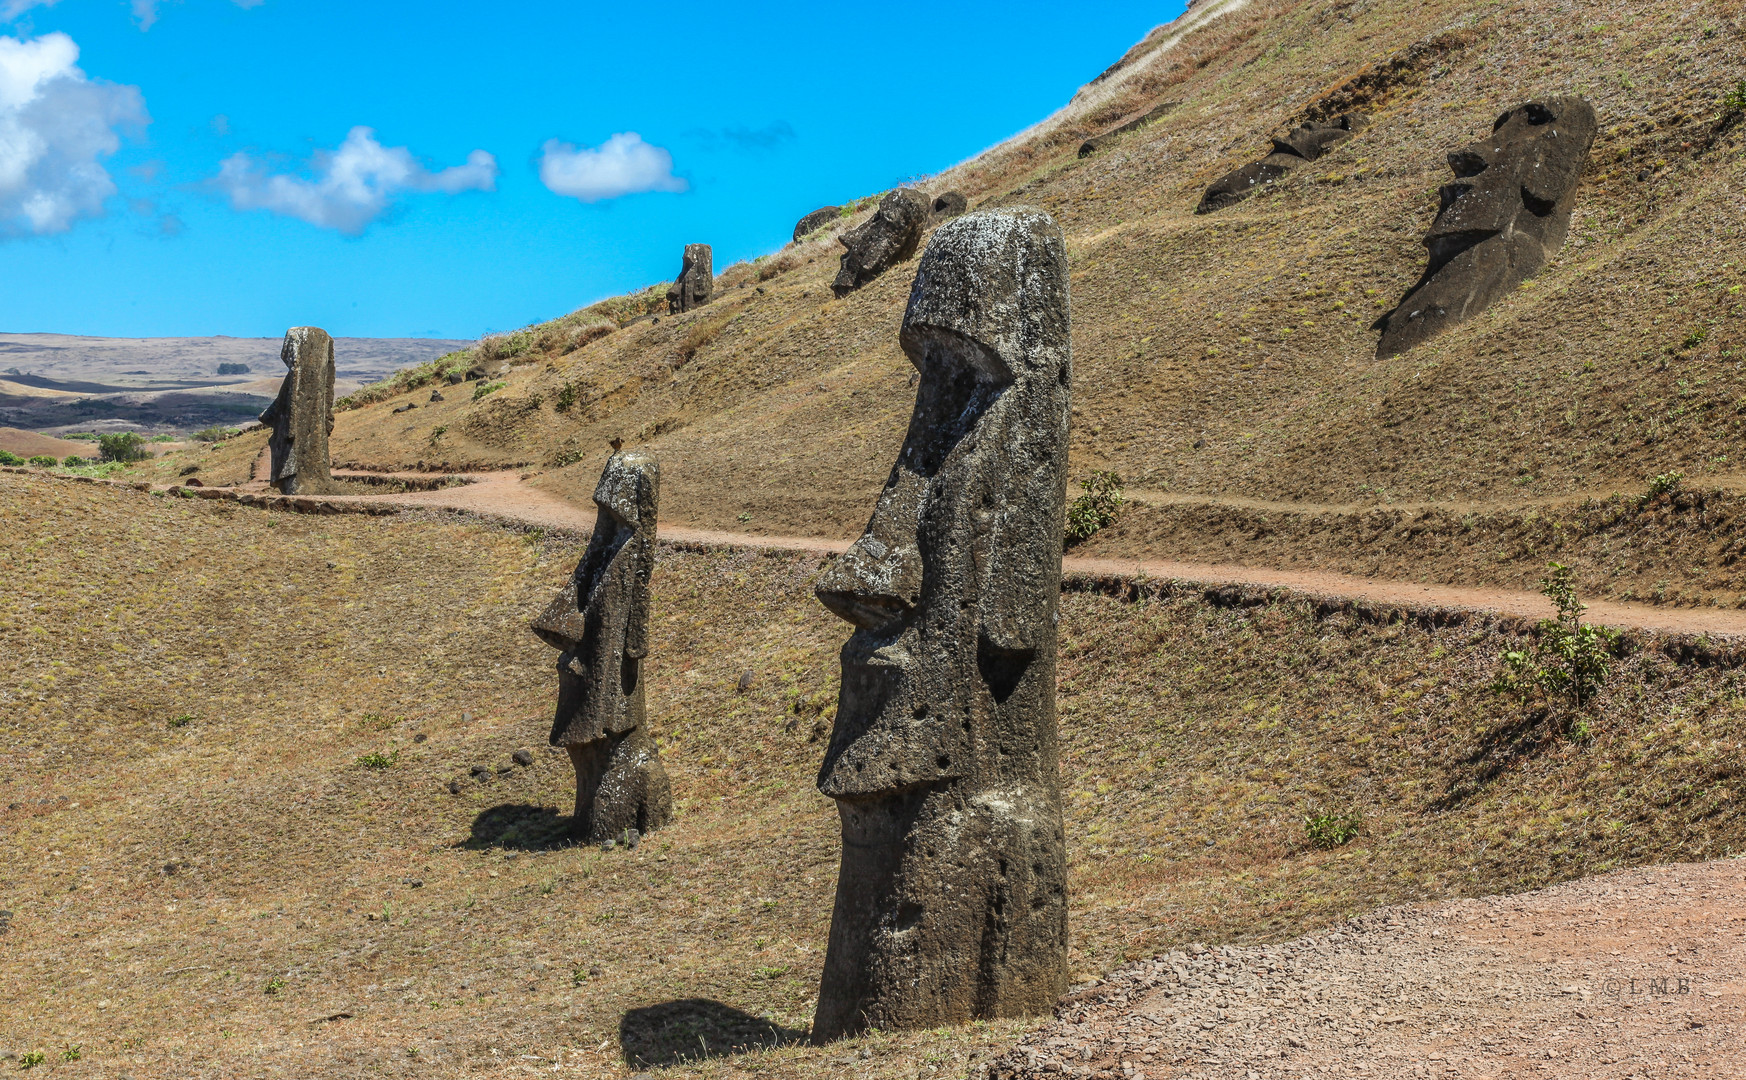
(695, 1029)
(1507, 747)
(519, 827)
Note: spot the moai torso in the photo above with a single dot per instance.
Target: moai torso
(696, 283)
(599, 623)
(1507, 212)
(302, 415)
(951, 898)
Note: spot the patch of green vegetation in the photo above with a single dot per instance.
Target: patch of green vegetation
(123, 446)
(43, 460)
(1329, 831)
(7, 457)
(163, 439)
(180, 721)
(1568, 656)
(378, 760)
(275, 985)
(1734, 101)
(1661, 484)
(1097, 508)
(486, 389)
(216, 433)
(74, 461)
(32, 1059)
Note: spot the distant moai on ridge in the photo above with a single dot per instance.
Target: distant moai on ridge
(302, 416)
(815, 221)
(949, 205)
(1098, 142)
(951, 899)
(600, 625)
(887, 238)
(1507, 212)
(696, 283)
(1302, 145)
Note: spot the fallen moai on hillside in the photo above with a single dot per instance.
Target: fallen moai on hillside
(1098, 142)
(302, 416)
(696, 282)
(600, 625)
(815, 221)
(1301, 146)
(949, 205)
(1506, 213)
(951, 896)
(887, 238)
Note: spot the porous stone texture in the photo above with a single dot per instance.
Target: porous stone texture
(949, 205)
(696, 283)
(1301, 146)
(887, 238)
(1506, 213)
(815, 221)
(301, 417)
(1637, 973)
(951, 896)
(1093, 145)
(600, 623)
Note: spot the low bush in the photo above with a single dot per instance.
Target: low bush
(216, 433)
(43, 460)
(123, 446)
(1097, 508)
(1663, 484)
(1568, 657)
(74, 461)
(7, 457)
(1329, 831)
(485, 389)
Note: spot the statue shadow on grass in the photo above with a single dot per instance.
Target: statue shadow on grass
(695, 1029)
(1506, 747)
(520, 827)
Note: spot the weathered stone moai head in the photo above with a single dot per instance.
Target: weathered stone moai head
(302, 416)
(1093, 145)
(1300, 146)
(600, 625)
(1507, 212)
(951, 897)
(949, 205)
(815, 221)
(887, 238)
(696, 283)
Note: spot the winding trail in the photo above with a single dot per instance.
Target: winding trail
(505, 495)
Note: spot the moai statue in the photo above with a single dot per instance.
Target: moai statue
(949, 205)
(1302, 145)
(600, 625)
(302, 415)
(1506, 213)
(951, 897)
(696, 282)
(887, 238)
(815, 221)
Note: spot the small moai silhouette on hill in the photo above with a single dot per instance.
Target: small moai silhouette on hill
(815, 221)
(1302, 145)
(951, 899)
(302, 416)
(887, 238)
(696, 283)
(600, 625)
(1507, 212)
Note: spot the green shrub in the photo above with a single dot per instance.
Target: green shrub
(1663, 484)
(180, 721)
(1567, 657)
(83, 436)
(44, 460)
(1329, 831)
(378, 760)
(32, 1060)
(122, 446)
(275, 985)
(1734, 101)
(216, 433)
(74, 461)
(1095, 509)
(484, 389)
(163, 439)
(7, 457)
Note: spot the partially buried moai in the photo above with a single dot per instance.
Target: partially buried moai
(600, 625)
(696, 281)
(1505, 214)
(951, 897)
(302, 416)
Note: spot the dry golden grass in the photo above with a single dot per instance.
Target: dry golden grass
(162, 875)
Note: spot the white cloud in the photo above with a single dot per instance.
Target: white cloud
(352, 185)
(56, 126)
(622, 165)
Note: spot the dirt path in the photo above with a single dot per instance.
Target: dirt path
(503, 494)
(1638, 973)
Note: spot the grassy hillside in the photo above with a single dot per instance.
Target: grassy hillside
(1226, 357)
(231, 847)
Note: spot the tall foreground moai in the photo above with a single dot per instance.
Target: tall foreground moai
(696, 282)
(302, 415)
(600, 624)
(952, 894)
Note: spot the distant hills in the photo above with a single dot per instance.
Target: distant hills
(64, 381)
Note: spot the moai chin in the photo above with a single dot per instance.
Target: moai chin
(951, 897)
(600, 625)
(302, 416)
(696, 282)
(1505, 214)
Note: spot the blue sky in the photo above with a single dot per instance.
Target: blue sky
(387, 169)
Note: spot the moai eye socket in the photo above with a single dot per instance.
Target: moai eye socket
(1538, 114)
(1467, 163)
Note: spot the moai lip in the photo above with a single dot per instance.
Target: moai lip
(301, 417)
(1300, 146)
(696, 282)
(599, 624)
(951, 896)
(1507, 212)
(887, 238)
